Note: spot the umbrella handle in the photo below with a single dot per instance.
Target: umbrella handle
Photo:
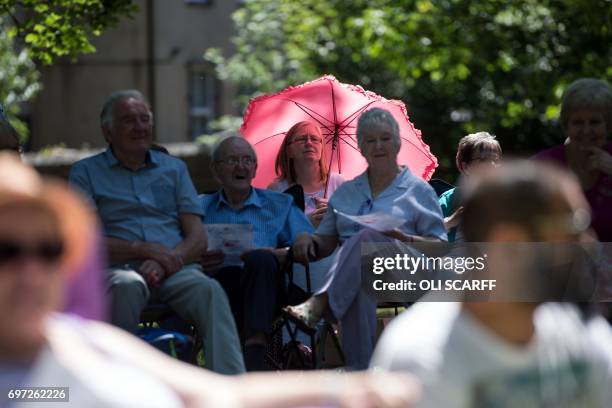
(326, 184)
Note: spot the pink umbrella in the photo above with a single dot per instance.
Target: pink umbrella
(335, 107)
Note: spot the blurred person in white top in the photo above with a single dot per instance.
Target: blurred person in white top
(507, 354)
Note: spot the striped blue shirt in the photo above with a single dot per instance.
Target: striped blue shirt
(141, 205)
(276, 221)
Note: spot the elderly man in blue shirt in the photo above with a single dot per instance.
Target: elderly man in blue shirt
(257, 288)
(152, 223)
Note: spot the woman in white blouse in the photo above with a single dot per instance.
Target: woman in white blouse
(302, 160)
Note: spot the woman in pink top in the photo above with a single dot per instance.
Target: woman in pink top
(302, 160)
(586, 121)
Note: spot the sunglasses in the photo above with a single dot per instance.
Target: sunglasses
(45, 252)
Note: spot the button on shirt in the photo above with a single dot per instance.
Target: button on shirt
(140, 205)
(407, 197)
(276, 220)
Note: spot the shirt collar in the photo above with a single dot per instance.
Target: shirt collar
(253, 199)
(401, 181)
(361, 182)
(110, 157)
(150, 159)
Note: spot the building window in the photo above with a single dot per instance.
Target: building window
(202, 99)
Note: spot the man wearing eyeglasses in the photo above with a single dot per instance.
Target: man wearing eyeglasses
(256, 288)
(152, 221)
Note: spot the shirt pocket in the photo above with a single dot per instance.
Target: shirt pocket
(164, 196)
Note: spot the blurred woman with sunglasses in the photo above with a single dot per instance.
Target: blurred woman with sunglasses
(45, 233)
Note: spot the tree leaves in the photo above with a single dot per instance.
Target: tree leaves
(48, 30)
(18, 78)
(460, 65)
(52, 29)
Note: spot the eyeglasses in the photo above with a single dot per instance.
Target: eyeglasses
(45, 252)
(233, 161)
(303, 139)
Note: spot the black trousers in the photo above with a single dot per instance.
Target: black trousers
(256, 291)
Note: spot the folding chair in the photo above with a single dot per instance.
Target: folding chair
(292, 352)
(440, 186)
(296, 295)
(276, 353)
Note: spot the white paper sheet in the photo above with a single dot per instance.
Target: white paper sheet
(377, 221)
(232, 239)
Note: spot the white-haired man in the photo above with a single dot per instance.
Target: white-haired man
(152, 222)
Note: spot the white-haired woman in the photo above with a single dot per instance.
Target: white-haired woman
(586, 122)
(385, 187)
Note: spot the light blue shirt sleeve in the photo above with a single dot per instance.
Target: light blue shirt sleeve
(187, 197)
(296, 224)
(327, 226)
(79, 179)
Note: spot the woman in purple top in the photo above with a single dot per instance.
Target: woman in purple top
(85, 295)
(586, 121)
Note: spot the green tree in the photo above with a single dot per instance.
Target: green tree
(460, 65)
(18, 78)
(52, 29)
(42, 31)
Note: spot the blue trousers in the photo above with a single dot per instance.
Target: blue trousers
(256, 291)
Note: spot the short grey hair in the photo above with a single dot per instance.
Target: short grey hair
(106, 116)
(218, 148)
(586, 93)
(373, 117)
